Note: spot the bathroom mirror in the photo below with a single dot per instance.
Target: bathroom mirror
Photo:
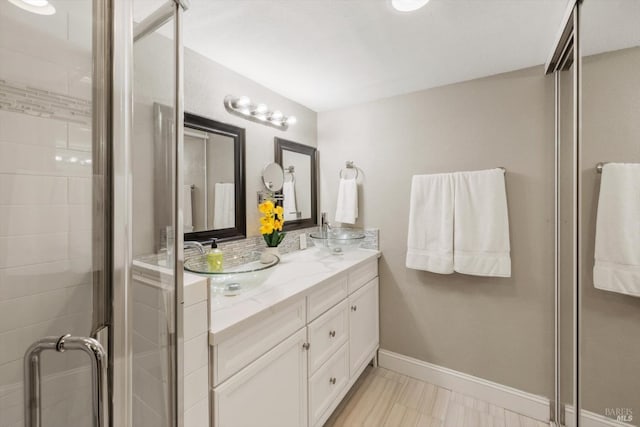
(299, 189)
(273, 177)
(213, 178)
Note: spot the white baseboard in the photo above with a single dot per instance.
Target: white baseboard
(591, 419)
(514, 400)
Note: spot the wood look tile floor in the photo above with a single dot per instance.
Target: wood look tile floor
(388, 399)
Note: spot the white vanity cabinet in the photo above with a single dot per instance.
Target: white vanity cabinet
(270, 392)
(363, 312)
(292, 364)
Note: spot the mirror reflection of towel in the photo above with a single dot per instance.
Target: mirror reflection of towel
(224, 205)
(617, 253)
(289, 201)
(187, 210)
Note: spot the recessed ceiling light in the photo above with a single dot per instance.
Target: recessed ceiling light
(408, 5)
(40, 7)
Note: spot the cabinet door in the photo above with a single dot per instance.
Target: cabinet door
(363, 324)
(270, 392)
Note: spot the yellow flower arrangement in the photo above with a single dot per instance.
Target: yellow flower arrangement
(271, 223)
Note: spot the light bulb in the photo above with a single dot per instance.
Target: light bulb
(261, 109)
(39, 7)
(243, 101)
(408, 5)
(276, 116)
(291, 120)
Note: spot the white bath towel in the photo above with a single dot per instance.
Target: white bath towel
(347, 205)
(289, 201)
(430, 238)
(617, 251)
(224, 206)
(187, 209)
(481, 230)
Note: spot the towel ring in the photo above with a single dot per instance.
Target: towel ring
(349, 165)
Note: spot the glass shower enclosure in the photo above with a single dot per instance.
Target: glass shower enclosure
(596, 66)
(84, 340)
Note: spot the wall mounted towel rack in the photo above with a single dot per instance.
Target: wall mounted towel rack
(599, 167)
(291, 171)
(349, 166)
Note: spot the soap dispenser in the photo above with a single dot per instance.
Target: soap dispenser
(214, 257)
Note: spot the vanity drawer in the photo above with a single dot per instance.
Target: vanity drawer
(327, 334)
(326, 296)
(232, 355)
(362, 274)
(327, 384)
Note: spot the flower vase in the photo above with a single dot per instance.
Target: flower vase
(269, 250)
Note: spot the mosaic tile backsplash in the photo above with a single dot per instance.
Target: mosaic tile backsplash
(291, 242)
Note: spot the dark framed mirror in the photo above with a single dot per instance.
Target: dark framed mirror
(299, 191)
(214, 180)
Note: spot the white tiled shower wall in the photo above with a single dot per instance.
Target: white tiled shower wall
(45, 208)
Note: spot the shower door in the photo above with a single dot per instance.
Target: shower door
(157, 229)
(71, 317)
(597, 72)
(55, 198)
(610, 133)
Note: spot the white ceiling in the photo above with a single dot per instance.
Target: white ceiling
(327, 54)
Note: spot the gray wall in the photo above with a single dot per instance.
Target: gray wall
(611, 321)
(498, 329)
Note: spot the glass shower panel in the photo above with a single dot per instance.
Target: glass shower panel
(610, 133)
(154, 279)
(46, 194)
(567, 236)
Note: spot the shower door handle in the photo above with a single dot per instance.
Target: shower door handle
(32, 387)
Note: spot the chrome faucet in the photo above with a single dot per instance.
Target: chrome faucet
(324, 224)
(194, 244)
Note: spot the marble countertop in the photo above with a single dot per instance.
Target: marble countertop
(297, 274)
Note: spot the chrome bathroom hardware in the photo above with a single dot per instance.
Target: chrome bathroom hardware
(349, 165)
(599, 167)
(32, 378)
(291, 171)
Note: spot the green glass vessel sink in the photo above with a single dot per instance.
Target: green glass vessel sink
(239, 273)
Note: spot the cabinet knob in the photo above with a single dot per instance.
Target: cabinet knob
(354, 307)
(332, 334)
(306, 346)
(332, 380)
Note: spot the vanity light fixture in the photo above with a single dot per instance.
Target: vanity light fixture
(39, 7)
(408, 5)
(257, 112)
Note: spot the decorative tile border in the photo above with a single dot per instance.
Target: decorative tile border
(20, 98)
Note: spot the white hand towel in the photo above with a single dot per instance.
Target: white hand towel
(224, 205)
(289, 201)
(617, 251)
(481, 231)
(347, 206)
(187, 209)
(430, 237)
